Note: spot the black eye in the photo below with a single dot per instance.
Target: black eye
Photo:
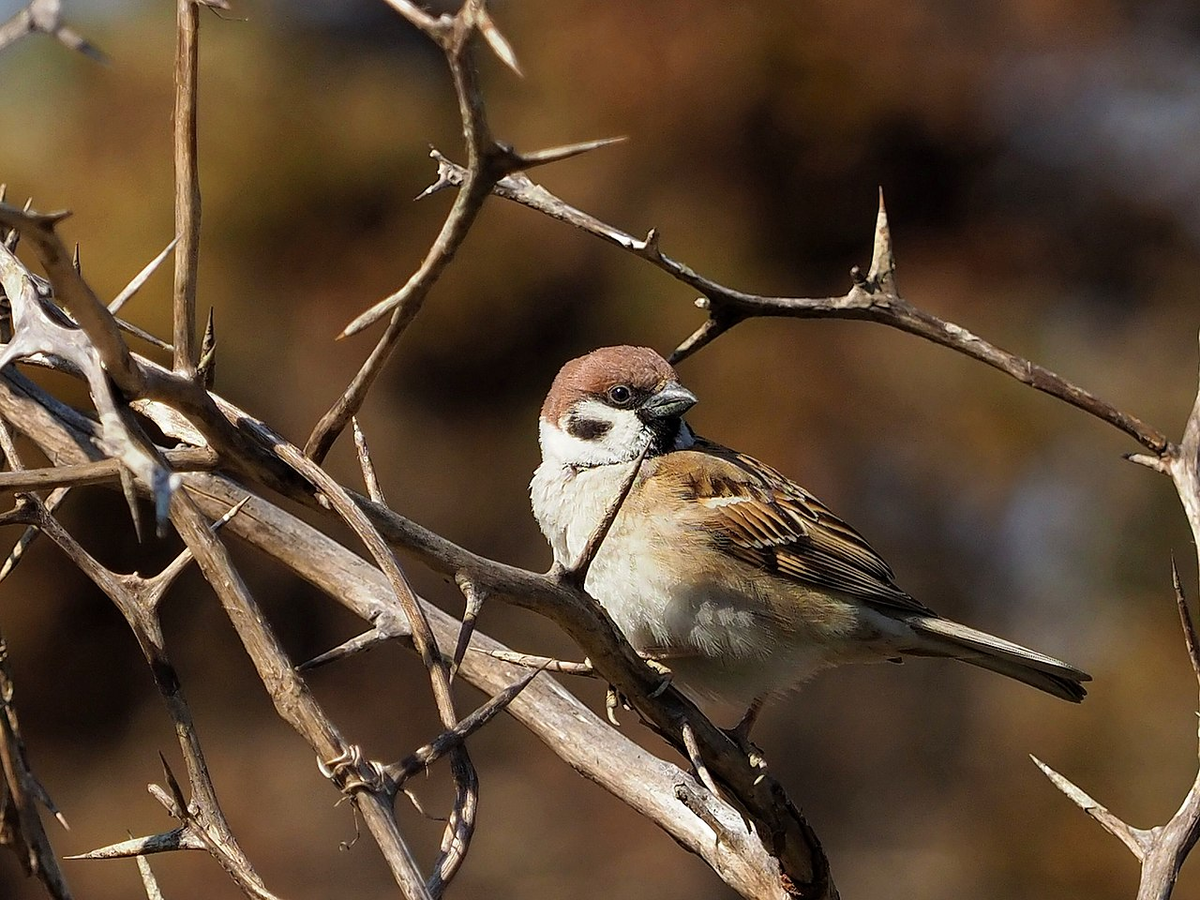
(620, 394)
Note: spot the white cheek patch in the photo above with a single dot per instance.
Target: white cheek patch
(621, 441)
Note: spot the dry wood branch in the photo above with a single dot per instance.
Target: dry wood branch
(474, 606)
(1162, 850)
(149, 882)
(290, 694)
(454, 36)
(1136, 839)
(461, 823)
(138, 600)
(577, 574)
(185, 398)
(187, 185)
(487, 162)
(44, 16)
(545, 663)
(135, 284)
(569, 729)
(872, 297)
(21, 792)
(422, 758)
(214, 840)
(97, 472)
(73, 292)
(18, 551)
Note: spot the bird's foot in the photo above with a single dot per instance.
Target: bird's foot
(614, 700)
(663, 671)
(740, 735)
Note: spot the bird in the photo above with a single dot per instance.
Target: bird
(716, 566)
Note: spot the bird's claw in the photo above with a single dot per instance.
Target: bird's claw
(664, 672)
(612, 702)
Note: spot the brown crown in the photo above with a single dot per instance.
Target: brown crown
(593, 374)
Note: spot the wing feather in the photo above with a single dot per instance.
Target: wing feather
(760, 517)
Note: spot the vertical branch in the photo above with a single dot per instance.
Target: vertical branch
(1163, 850)
(187, 185)
(293, 700)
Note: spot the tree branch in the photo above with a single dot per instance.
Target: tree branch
(871, 297)
(187, 186)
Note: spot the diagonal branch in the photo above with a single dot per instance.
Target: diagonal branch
(871, 297)
(290, 694)
(577, 574)
(750, 862)
(138, 599)
(487, 162)
(43, 16)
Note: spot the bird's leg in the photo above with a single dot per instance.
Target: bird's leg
(740, 734)
(614, 699)
(741, 731)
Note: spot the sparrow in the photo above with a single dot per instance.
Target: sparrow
(735, 578)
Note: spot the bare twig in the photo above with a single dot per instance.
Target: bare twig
(455, 37)
(544, 663)
(1137, 840)
(21, 792)
(187, 186)
(487, 162)
(291, 695)
(135, 284)
(1162, 850)
(424, 757)
(871, 297)
(73, 292)
(149, 882)
(474, 606)
(367, 465)
(622, 767)
(17, 553)
(577, 573)
(43, 16)
(138, 600)
(461, 822)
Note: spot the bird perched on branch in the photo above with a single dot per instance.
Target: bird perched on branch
(735, 578)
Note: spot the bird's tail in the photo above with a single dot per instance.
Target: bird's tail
(942, 637)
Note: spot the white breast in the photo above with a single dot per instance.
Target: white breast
(716, 634)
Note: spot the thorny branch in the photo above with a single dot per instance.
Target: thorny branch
(20, 790)
(1162, 850)
(487, 162)
(873, 297)
(43, 16)
(59, 321)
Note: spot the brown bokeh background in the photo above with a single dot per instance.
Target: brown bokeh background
(1040, 168)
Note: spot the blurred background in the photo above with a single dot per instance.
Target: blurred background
(1039, 164)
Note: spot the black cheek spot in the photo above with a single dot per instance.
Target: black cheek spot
(587, 429)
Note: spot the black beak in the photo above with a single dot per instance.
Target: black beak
(670, 402)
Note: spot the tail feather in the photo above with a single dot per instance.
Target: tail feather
(942, 637)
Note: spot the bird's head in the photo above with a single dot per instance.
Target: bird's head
(610, 405)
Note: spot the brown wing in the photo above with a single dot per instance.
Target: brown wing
(766, 520)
